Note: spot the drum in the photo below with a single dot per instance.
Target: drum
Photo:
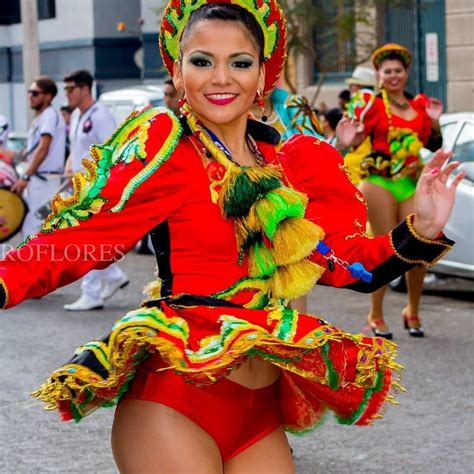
(12, 207)
(65, 190)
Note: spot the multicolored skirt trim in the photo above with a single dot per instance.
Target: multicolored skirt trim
(204, 338)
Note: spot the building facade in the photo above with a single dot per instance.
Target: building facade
(460, 54)
(80, 34)
(440, 35)
(83, 34)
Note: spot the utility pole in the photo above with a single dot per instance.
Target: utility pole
(30, 53)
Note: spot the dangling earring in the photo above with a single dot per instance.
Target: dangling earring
(261, 104)
(182, 103)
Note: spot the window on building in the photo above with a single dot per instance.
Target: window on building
(10, 11)
(46, 9)
(334, 39)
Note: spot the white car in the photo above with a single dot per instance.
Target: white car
(458, 137)
(123, 102)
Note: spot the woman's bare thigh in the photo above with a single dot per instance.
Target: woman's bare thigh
(151, 438)
(270, 455)
(383, 208)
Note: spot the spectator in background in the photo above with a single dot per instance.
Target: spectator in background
(3, 130)
(171, 96)
(343, 99)
(329, 121)
(45, 153)
(66, 112)
(363, 77)
(91, 123)
(5, 154)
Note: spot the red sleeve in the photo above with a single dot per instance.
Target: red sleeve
(419, 103)
(317, 169)
(372, 116)
(90, 233)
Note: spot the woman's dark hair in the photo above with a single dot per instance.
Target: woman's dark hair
(394, 57)
(225, 12)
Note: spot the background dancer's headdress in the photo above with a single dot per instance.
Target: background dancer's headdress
(391, 48)
(267, 13)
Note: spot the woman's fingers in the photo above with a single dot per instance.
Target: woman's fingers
(457, 179)
(450, 167)
(438, 159)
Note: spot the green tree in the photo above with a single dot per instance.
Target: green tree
(336, 35)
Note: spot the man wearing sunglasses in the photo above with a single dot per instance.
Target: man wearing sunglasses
(91, 124)
(45, 152)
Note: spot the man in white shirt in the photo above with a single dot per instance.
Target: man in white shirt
(45, 152)
(91, 123)
(3, 130)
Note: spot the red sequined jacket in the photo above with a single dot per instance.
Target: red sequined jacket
(197, 250)
(376, 125)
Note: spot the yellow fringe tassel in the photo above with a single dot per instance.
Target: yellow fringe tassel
(152, 290)
(295, 280)
(295, 239)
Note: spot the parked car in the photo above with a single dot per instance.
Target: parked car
(123, 102)
(16, 141)
(458, 137)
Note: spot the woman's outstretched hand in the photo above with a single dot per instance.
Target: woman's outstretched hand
(434, 109)
(349, 132)
(434, 199)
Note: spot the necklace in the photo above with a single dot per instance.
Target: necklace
(400, 105)
(205, 153)
(259, 158)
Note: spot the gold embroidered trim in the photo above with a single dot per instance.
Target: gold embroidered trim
(361, 231)
(409, 221)
(7, 294)
(360, 197)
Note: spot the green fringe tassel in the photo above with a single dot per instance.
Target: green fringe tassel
(244, 192)
(261, 262)
(276, 206)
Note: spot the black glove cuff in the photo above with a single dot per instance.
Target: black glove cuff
(3, 294)
(413, 248)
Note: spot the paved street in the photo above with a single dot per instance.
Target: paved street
(431, 432)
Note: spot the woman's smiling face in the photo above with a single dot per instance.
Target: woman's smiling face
(393, 75)
(219, 71)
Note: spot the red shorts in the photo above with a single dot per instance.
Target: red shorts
(233, 415)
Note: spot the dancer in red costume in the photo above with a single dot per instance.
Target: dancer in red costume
(215, 365)
(398, 125)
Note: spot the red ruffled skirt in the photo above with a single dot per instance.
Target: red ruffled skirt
(203, 338)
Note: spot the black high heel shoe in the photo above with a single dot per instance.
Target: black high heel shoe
(386, 334)
(416, 331)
